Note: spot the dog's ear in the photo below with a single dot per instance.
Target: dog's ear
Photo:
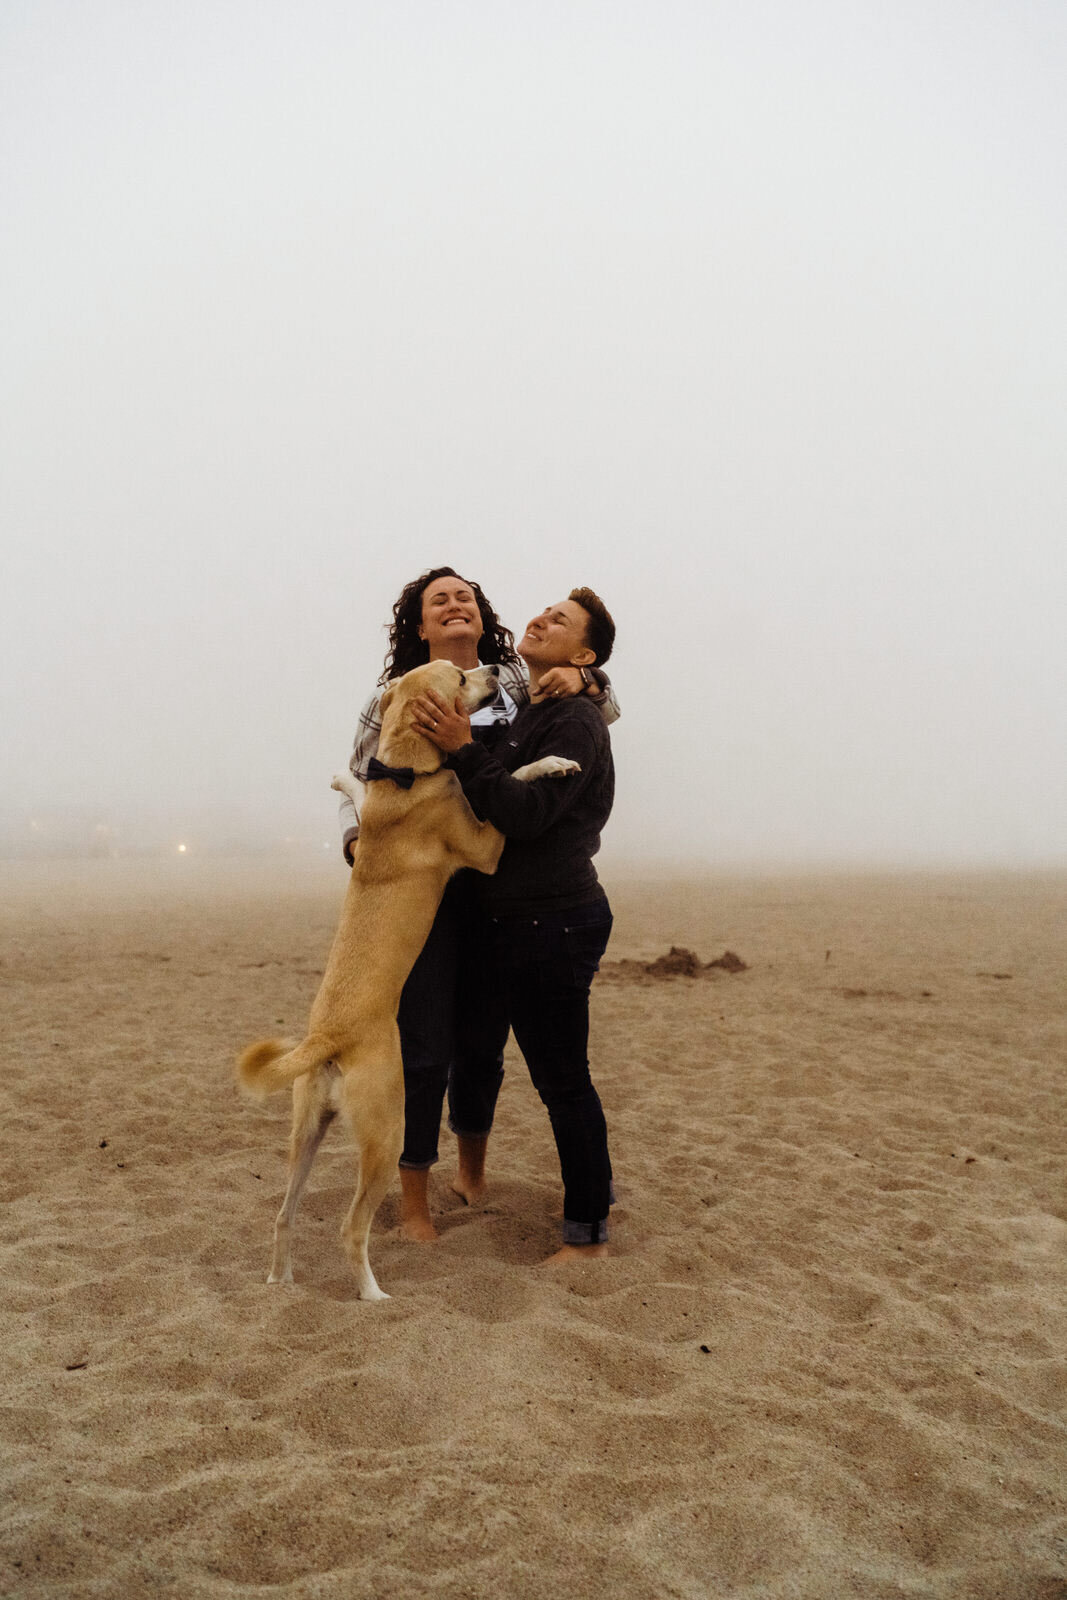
(385, 699)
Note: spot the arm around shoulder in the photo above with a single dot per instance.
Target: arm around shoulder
(603, 695)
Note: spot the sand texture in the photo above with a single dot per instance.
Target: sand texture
(826, 1359)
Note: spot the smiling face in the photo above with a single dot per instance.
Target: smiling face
(451, 622)
(557, 638)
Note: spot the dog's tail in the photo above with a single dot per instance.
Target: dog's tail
(273, 1064)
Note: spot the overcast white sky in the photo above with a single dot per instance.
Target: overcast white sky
(752, 316)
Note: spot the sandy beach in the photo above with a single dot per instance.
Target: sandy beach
(827, 1358)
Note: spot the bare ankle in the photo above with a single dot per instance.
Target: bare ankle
(469, 1182)
(416, 1222)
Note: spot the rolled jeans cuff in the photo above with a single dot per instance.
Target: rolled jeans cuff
(417, 1166)
(468, 1133)
(585, 1232)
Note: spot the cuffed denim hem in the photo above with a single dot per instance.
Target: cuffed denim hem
(469, 1133)
(585, 1232)
(418, 1166)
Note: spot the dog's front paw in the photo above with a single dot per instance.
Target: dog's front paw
(344, 783)
(557, 766)
(547, 767)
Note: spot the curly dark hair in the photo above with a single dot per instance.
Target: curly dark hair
(407, 650)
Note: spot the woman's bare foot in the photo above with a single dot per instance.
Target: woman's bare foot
(469, 1182)
(472, 1193)
(576, 1252)
(416, 1223)
(418, 1230)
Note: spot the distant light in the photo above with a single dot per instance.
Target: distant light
(182, 848)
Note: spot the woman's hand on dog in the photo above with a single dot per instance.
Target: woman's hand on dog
(445, 726)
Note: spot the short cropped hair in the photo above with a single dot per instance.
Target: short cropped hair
(600, 629)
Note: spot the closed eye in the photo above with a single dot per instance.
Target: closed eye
(462, 679)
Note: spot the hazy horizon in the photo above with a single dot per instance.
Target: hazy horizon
(754, 319)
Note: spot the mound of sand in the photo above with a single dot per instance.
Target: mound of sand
(825, 1360)
(679, 962)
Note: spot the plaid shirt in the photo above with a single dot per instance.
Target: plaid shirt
(515, 683)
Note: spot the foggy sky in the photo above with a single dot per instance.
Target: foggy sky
(750, 316)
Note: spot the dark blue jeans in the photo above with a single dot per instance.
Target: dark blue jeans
(536, 979)
(437, 993)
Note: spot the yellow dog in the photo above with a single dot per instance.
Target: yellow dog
(416, 830)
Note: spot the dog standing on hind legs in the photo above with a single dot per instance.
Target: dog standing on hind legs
(416, 830)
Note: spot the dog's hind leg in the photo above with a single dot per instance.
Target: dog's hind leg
(375, 1106)
(313, 1111)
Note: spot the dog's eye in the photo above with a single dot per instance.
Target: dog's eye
(462, 679)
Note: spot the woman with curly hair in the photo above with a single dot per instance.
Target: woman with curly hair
(441, 616)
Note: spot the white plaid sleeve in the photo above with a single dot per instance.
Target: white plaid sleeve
(368, 732)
